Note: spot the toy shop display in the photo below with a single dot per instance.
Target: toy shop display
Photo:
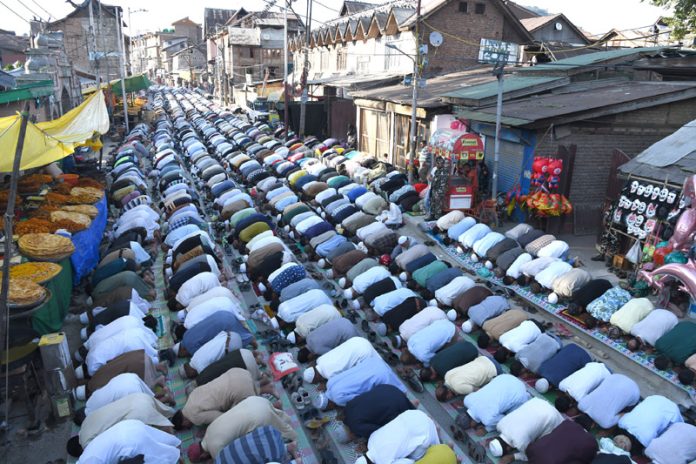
(543, 199)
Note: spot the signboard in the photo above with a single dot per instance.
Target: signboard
(495, 51)
(461, 145)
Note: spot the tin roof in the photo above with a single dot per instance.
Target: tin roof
(514, 86)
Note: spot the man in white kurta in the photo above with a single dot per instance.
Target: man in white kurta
(578, 384)
(195, 286)
(315, 318)
(521, 336)
(123, 342)
(529, 422)
(130, 438)
(403, 440)
(138, 406)
(102, 332)
(198, 313)
(369, 277)
(214, 349)
(118, 387)
(503, 394)
(447, 294)
(293, 308)
(346, 355)
(425, 343)
(420, 320)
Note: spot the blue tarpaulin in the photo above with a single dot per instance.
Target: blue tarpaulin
(86, 256)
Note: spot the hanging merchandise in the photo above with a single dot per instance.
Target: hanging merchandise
(546, 178)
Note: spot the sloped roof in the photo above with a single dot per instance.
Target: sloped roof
(561, 108)
(514, 86)
(532, 24)
(352, 7)
(520, 11)
(673, 157)
(575, 63)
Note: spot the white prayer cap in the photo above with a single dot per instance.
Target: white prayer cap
(181, 315)
(496, 448)
(489, 265)
(552, 298)
(274, 323)
(467, 326)
(292, 338)
(361, 245)
(262, 288)
(83, 333)
(381, 329)
(323, 215)
(402, 239)
(291, 235)
(348, 293)
(432, 302)
(286, 228)
(342, 282)
(309, 374)
(355, 304)
(460, 249)
(279, 217)
(361, 460)
(84, 318)
(403, 277)
(321, 263)
(80, 393)
(330, 274)
(89, 301)
(242, 267)
(452, 315)
(245, 258)
(80, 372)
(542, 385)
(474, 258)
(320, 402)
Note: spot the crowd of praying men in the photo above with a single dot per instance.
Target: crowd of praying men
(357, 316)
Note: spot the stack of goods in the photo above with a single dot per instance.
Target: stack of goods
(25, 293)
(36, 272)
(46, 247)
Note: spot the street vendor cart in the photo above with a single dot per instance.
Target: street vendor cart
(465, 152)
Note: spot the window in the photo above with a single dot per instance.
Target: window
(341, 59)
(463, 7)
(480, 8)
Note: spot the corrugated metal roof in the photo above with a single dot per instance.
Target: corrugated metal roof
(589, 59)
(429, 97)
(488, 117)
(680, 147)
(583, 101)
(476, 94)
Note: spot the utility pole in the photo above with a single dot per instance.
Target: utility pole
(286, 117)
(498, 73)
(305, 89)
(122, 53)
(414, 98)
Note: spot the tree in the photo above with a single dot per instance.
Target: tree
(683, 21)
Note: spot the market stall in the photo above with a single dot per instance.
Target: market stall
(465, 152)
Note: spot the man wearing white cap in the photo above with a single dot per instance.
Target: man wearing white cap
(422, 319)
(311, 320)
(367, 278)
(195, 314)
(195, 286)
(290, 310)
(487, 406)
(118, 387)
(384, 303)
(489, 308)
(325, 338)
(467, 378)
(359, 379)
(405, 439)
(343, 357)
(404, 243)
(414, 252)
(112, 328)
(519, 428)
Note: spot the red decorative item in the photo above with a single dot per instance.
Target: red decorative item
(660, 254)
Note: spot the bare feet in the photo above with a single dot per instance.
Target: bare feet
(162, 367)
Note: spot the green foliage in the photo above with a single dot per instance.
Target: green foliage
(683, 21)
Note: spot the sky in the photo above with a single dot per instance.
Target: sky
(595, 16)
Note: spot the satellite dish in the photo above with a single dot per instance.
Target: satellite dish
(436, 39)
(559, 26)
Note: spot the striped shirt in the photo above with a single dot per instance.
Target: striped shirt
(260, 446)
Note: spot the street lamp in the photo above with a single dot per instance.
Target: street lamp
(414, 102)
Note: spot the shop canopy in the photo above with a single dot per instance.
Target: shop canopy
(458, 144)
(133, 84)
(50, 141)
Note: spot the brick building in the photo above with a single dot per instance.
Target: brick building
(557, 110)
(92, 38)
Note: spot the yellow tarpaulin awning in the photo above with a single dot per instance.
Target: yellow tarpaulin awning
(51, 141)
